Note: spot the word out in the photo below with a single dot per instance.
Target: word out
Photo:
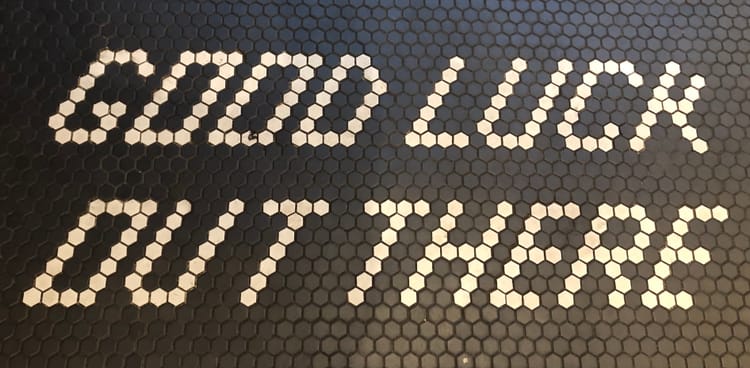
(224, 133)
(523, 250)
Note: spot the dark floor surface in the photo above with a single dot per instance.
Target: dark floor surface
(374, 184)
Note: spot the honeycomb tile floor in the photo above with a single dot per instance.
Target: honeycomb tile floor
(374, 183)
